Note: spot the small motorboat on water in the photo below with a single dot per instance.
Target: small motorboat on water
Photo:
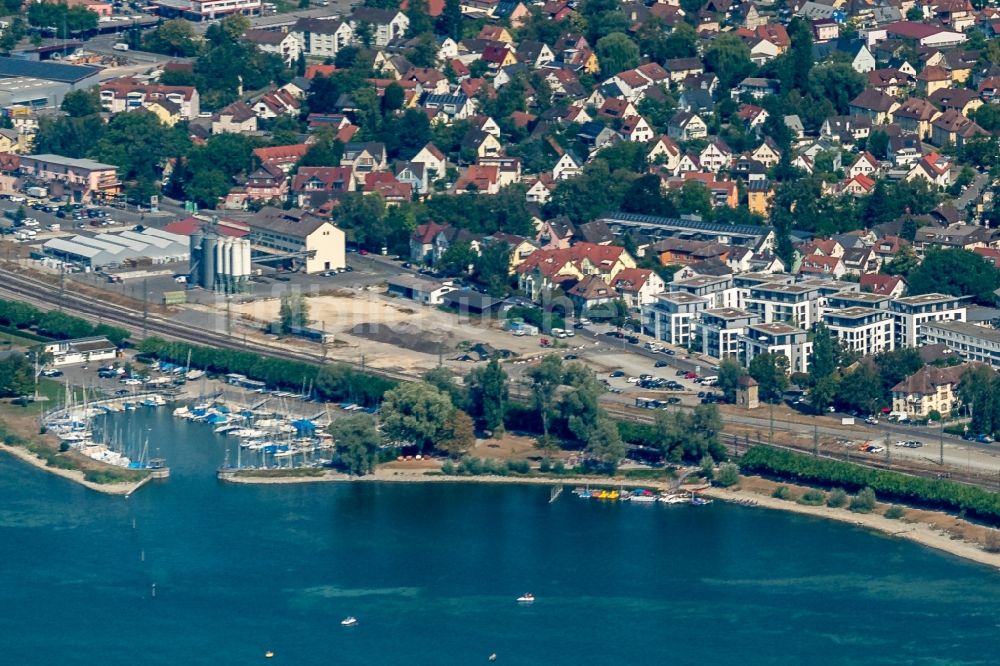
(699, 501)
(349, 621)
(526, 598)
(268, 654)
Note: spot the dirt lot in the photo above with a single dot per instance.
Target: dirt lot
(393, 332)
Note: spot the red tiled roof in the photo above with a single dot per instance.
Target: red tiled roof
(190, 225)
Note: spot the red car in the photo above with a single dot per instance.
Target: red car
(362, 252)
(691, 375)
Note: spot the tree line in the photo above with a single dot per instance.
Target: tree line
(56, 325)
(918, 491)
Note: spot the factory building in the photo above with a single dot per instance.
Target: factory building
(129, 248)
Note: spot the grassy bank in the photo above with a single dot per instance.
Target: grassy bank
(18, 430)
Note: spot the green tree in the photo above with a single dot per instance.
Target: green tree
(771, 372)
(729, 373)
(175, 37)
(357, 440)
(861, 390)
(458, 259)
(17, 376)
(878, 144)
(545, 380)
(617, 53)
(416, 413)
(729, 58)
(293, 312)
(605, 444)
(903, 262)
(449, 23)
(80, 103)
(956, 272)
(443, 379)
(420, 19)
(488, 392)
(458, 435)
(492, 268)
(836, 82)
(826, 353)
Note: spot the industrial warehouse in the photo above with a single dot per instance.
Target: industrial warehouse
(123, 249)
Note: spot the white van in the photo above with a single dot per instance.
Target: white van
(120, 46)
(711, 380)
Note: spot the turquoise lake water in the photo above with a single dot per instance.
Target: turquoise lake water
(432, 573)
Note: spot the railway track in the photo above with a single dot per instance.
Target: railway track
(42, 294)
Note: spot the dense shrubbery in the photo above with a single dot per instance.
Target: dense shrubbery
(487, 466)
(53, 324)
(933, 493)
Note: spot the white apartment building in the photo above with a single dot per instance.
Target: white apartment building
(911, 312)
(744, 282)
(863, 330)
(778, 338)
(718, 331)
(862, 299)
(718, 290)
(323, 38)
(793, 303)
(973, 343)
(672, 316)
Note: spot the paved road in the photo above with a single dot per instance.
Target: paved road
(972, 192)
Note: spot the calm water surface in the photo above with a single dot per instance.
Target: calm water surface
(432, 572)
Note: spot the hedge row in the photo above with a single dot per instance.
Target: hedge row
(54, 324)
(918, 491)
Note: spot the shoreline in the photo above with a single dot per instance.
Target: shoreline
(917, 531)
(73, 475)
(422, 476)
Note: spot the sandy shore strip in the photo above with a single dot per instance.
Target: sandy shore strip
(74, 475)
(919, 532)
(422, 476)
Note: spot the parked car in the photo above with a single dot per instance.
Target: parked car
(660, 364)
(617, 373)
(52, 373)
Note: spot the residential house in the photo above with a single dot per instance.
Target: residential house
(364, 158)
(267, 182)
(915, 115)
(637, 286)
(434, 161)
(865, 165)
(767, 153)
(874, 105)
(386, 25)
(237, 118)
(716, 156)
(312, 185)
(665, 152)
(636, 129)
(323, 38)
(930, 389)
(760, 194)
(685, 126)
(951, 127)
(285, 45)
